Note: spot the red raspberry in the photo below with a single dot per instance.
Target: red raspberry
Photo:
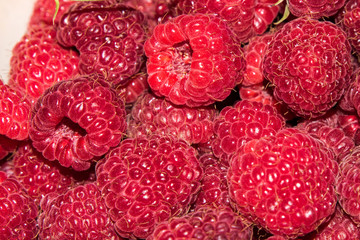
(309, 64)
(340, 227)
(14, 113)
(315, 8)
(18, 211)
(136, 86)
(193, 60)
(204, 223)
(254, 55)
(241, 123)
(284, 183)
(245, 18)
(347, 184)
(44, 11)
(351, 126)
(77, 120)
(146, 181)
(109, 37)
(38, 61)
(155, 115)
(80, 213)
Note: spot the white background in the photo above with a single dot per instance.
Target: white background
(15, 15)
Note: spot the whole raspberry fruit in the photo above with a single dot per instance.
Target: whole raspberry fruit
(204, 223)
(109, 37)
(193, 60)
(145, 181)
(309, 64)
(315, 8)
(154, 115)
(18, 211)
(284, 183)
(38, 61)
(80, 213)
(245, 121)
(245, 18)
(75, 121)
(15, 113)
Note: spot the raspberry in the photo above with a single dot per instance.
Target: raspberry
(146, 181)
(80, 213)
(14, 113)
(245, 18)
(204, 223)
(44, 11)
(193, 60)
(315, 8)
(75, 121)
(241, 123)
(284, 183)
(18, 211)
(38, 61)
(309, 64)
(134, 88)
(109, 37)
(155, 115)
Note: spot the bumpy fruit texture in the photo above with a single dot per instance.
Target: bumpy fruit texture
(109, 37)
(15, 113)
(38, 61)
(154, 115)
(145, 181)
(309, 64)
(80, 213)
(44, 11)
(18, 211)
(245, 18)
(315, 8)
(284, 183)
(75, 121)
(350, 125)
(193, 60)
(204, 223)
(136, 86)
(347, 184)
(245, 121)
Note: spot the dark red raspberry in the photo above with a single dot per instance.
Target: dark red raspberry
(193, 60)
(155, 115)
(146, 181)
(284, 183)
(315, 8)
(77, 120)
(18, 211)
(246, 18)
(109, 37)
(245, 121)
(309, 64)
(205, 223)
(38, 61)
(15, 110)
(80, 213)
(136, 86)
(7, 146)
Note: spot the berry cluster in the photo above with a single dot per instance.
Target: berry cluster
(183, 119)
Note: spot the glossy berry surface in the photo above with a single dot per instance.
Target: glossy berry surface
(284, 183)
(77, 120)
(44, 11)
(193, 60)
(136, 86)
(145, 181)
(315, 8)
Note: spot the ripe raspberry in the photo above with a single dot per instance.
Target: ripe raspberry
(38, 61)
(193, 60)
(245, 18)
(18, 211)
(340, 227)
(136, 86)
(284, 183)
(351, 126)
(77, 120)
(44, 11)
(254, 55)
(146, 181)
(155, 115)
(204, 223)
(7, 146)
(241, 123)
(315, 8)
(80, 213)
(109, 37)
(309, 64)
(14, 113)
